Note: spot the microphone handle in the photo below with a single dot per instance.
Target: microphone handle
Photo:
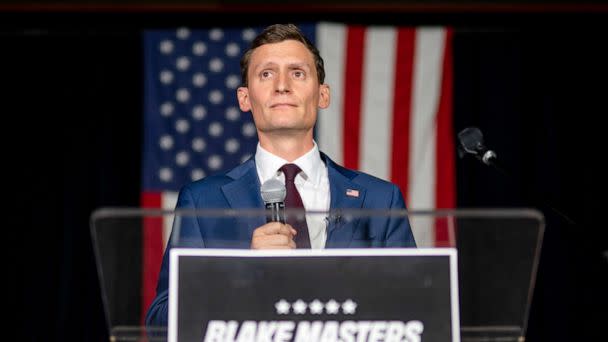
(275, 212)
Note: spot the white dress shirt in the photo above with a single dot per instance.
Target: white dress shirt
(312, 184)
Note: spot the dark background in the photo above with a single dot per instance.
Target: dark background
(533, 79)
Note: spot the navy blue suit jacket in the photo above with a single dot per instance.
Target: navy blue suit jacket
(239, 188)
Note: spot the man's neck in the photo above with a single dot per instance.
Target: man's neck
(288, 147)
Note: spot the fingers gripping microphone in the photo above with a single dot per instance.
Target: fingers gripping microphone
(273, 193)
(471, 142)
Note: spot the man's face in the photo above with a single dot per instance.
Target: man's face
(283, 93)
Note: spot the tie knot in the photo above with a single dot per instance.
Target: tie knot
(290, 171)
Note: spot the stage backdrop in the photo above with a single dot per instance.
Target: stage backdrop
(533, 82)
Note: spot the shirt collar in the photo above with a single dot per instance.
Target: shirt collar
(267, 164)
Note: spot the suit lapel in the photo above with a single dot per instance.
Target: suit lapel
(340, 229)
(244, 193)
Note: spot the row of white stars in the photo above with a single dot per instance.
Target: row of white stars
(215, 34)
(199, 112)
(199, 48)
(214, 162)
(182, 158)
(183, 95)
(183, 63)
(215, 129)
(332, 307)
(199, 79)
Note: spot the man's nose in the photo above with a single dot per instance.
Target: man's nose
(283, 84)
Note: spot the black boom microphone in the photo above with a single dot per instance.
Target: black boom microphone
(470, 141)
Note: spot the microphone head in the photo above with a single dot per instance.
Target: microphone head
(273, 191)
(471, 141)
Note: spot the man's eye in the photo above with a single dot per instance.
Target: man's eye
(298, 74)
(266, 74)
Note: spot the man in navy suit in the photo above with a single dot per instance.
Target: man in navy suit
(283, 87)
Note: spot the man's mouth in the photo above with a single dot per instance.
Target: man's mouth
(282, 104)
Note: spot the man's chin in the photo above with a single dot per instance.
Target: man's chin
(286, 129)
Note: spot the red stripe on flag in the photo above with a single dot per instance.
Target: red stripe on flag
(402, 99)
(152, 253)
(355, 45)
(445, 189)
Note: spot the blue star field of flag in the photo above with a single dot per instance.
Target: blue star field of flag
(193, 126)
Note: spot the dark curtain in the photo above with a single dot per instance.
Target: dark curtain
(538, 96)
(73, 139)
(76, 121)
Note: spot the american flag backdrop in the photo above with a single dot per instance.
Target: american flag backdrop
(390, 115)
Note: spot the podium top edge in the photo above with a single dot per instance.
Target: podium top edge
(505, 213)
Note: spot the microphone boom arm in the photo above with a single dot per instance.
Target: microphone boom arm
(471, 142)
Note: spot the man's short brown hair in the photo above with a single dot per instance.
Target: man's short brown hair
(276, 34)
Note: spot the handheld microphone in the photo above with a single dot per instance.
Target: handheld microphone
(273, 193)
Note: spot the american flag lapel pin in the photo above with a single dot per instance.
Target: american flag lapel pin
(352, 192)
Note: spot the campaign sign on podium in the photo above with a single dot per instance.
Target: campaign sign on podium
(315, 295)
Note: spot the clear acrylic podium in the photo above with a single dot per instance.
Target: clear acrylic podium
(498, 252)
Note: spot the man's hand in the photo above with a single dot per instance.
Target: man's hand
(273, 235)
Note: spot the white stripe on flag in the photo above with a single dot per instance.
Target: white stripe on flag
(429, 49)
(377, 112)
(377, 104)
(168, 202)
(331, 40)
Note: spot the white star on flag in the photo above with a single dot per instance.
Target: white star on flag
(332, 307)
(299, 307)
(282, 307)
(316, 307)
(349, 307)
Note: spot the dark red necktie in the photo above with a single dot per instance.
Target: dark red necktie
(294, 201)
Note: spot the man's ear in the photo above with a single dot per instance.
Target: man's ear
(324, 96)
(242, 94)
